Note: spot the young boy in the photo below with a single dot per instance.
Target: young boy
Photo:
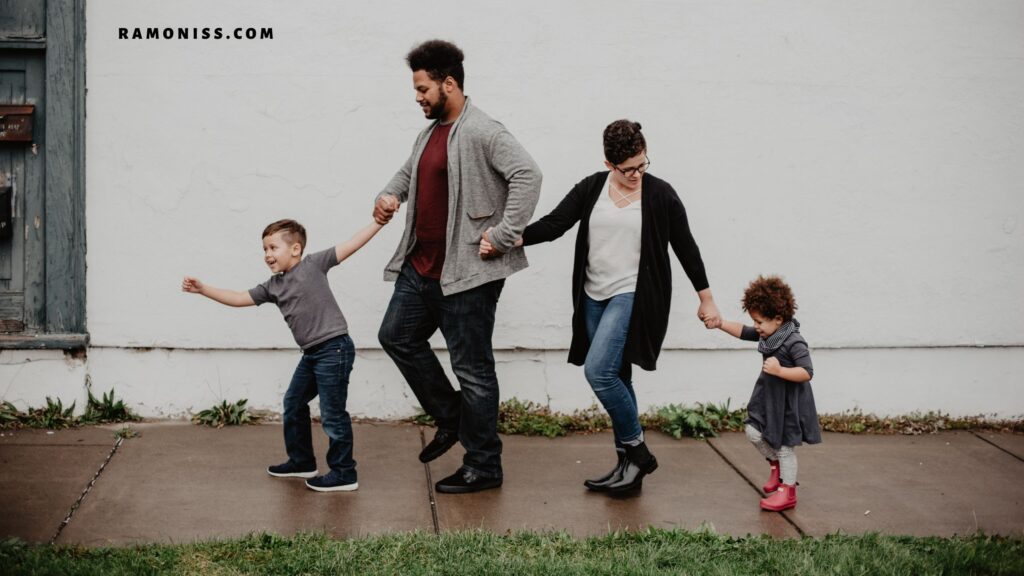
(300, 290)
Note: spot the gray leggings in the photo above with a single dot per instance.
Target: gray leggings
(785, 455)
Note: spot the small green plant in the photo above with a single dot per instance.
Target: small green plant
(106, 409)
(126, 432)
(701, 422)
(224, 414)
(53, 416)
(424, 420)
(10, 416)
(528, 419)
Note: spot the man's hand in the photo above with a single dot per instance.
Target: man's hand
(487, 250)
(193, 285)
(385, 209)
(771, 366)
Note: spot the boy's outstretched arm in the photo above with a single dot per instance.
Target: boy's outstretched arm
(357, 241)
(228, 297)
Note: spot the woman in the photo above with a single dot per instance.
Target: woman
(622, 284)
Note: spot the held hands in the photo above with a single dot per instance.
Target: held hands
(193, 285)
(487, 250)
(708, 314)
(385, 209)
(771, 366)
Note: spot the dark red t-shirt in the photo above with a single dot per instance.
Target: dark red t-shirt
(432, 205)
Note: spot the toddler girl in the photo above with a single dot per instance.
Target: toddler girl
(781, 412)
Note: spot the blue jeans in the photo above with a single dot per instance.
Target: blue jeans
(466, 320)
(323, 370)
(611, 379)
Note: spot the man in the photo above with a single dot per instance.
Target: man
(467, 179)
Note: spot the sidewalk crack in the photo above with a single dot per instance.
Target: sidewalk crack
(785, 516)
(88, 487)
(986, 440)
(431, 497)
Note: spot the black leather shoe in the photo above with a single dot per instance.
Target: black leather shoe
(601, 484)
(639, 463)
(443, 440)
(466, 481)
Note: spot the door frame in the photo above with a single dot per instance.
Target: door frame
(64, 326)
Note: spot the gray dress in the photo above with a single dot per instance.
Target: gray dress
(781, 410)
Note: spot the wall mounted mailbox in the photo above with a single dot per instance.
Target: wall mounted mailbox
(16, 123)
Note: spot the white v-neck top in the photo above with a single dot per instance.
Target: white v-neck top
(613, 259)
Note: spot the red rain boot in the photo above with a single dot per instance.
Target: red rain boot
(773, 478)
(782, 499)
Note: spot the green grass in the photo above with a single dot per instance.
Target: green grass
(647, 552)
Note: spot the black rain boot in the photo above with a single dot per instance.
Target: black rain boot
(639, 463)
(601, 484)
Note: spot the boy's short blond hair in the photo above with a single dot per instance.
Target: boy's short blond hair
(291, 231)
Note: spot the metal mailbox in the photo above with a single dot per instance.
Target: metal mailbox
(16, 123)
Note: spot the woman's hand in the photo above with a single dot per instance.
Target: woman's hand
(708, 312)
(487, 250)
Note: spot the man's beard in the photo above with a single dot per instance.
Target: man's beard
(437, 110)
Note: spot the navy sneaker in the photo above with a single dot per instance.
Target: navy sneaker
(291, 470)
(331, 482)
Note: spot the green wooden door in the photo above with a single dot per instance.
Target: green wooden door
(22, 280)
(42, 182)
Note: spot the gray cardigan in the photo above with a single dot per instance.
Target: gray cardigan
(492, 181)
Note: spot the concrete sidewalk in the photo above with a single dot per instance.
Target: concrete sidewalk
(178, 482)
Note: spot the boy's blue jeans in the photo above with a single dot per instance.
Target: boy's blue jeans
(323, 370)
(607, 327)
(466, 320)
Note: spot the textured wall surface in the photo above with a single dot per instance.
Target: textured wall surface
(869, 152)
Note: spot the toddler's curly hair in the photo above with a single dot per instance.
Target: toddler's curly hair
(769, 296)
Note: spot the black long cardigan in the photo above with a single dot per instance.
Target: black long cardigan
(663, 222)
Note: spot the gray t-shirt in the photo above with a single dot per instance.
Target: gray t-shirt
(305, 299)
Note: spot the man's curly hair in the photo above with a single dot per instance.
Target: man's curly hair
(439, 59)
(770, 297)
(623, 140)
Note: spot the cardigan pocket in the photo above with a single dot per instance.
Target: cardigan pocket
(479, 221)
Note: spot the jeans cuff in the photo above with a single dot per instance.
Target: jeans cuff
(480, 472)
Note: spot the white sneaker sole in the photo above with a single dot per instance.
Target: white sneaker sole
(343, 488)
(293, 474)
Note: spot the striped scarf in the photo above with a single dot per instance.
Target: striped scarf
(772, 343)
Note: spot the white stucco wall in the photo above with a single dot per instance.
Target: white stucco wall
(869, 152)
